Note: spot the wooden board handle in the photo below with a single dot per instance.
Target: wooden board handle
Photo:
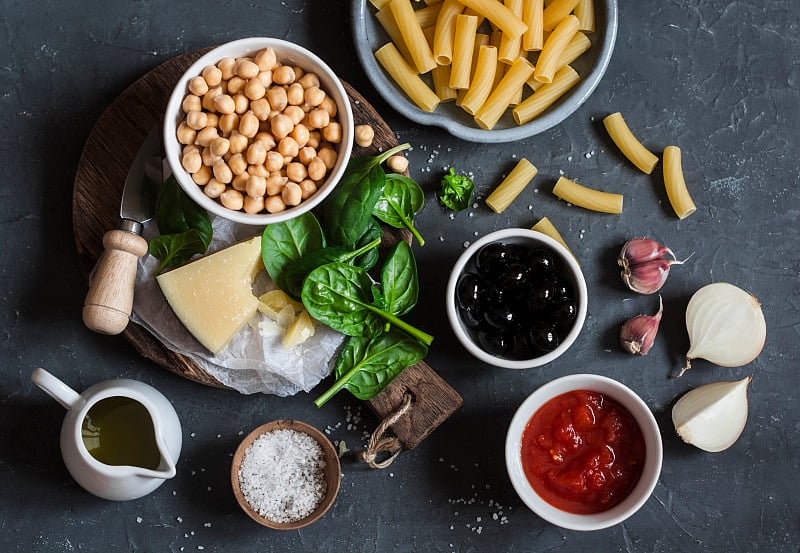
(108, 304)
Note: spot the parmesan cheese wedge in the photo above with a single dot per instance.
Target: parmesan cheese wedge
(213, 296)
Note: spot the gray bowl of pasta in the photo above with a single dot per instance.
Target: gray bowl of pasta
(404, 51)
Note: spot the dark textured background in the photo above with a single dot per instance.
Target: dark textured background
(720, 79)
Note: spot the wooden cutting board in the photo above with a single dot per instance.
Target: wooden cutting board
(99, 180)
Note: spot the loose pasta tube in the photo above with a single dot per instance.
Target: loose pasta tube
(386, 19)
(412, 35)
(630, 147)
(445, 30)
(441, 83)
(480, 40)
(579, 44)
(544, 97)
(509, 47)
(556, 11)
(676, 185)
(533, 16)
(555, 45)
(406, 78)
(482, 82)
(498, 14)
(587, 198)
(426, 17)
(512, 185)
(545, 226)
(584, 11)
(463, 44)
(497, 102)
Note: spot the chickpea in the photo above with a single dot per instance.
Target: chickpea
(300, 135)
(332, 133)
(246, 69)
(256, 153)
(307, 188)
(281, 126)
(319, 119)
(240, 182)
(288, 147)
(228, 123)
(235, 85)
(298, 73)
(224, 104)
(186, 134)
(206, 136)
(397, 163)
(253, 205)
(260, 108)
(256, 186)
(314, 139)
(309, 80)
(295, 95)
(276, 96)
(212, 75)
(274, 204)
(222, 172)
(364, 134)
(202, 176)
(314, 96)
(226, 66)
(242, 103)
(191, 103)
(295, 113)
(255, 89)
(198, 86)
(208, 98)
(328, 156)
(196, 120)
(266, 59)
(274, 161)
(232, 199)
(296, 172)
(283, 75)
(266, 139)
(330, 106)
(190, 148)
(238, 164)
(248, 125)
(212, 120)
(238, 142)
(266, 78)
(257, 171)
(209, 159)
(275, 184)
(214, 188)
(306, 154)
(220, 146)
(192, 162)
(291, 194)
(317, 169)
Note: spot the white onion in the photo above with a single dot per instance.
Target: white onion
(726, 326)
(712, 417)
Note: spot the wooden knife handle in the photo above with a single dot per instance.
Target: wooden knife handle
(108, 304)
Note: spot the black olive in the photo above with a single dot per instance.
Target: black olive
(502, 317)
(541, 262)
(471, 318)
(491, 258)
(540, 294)
(563, 311)
(544, 338)
(494, 343)
(562, 288)
(513, 282)
(470, 291)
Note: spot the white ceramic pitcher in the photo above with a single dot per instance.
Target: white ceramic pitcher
(115, 482)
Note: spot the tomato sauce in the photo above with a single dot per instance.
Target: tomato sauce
(582, 452)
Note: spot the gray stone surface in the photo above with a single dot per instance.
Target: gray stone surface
(720, 79)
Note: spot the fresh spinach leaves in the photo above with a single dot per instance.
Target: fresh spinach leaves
(401, 199)
(455, 191)
(287, 242)
(399, 280)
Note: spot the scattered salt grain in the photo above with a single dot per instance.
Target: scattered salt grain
(466, 244)
(192, 434)
(139, 520)
(179, 519)
(207, 524)
(282, 475)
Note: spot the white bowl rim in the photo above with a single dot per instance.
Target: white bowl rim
(244, 45)
(647, 424)
(565, 257)
(577, 96)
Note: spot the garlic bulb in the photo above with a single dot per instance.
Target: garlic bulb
(726, 326)
(712, 417)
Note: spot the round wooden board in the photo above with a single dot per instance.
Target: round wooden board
(104, 163)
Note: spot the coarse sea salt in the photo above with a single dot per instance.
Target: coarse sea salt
(282, 475)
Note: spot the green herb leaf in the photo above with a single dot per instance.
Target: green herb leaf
(365, 366)
(401, 199)
(369, 258)
(399, 280)
(287, 242)
(173, 250)
(455, 191)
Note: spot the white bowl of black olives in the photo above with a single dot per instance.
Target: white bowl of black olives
(517, 299)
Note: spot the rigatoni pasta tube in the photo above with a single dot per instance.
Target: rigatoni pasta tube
(579, 44)
(554, 46)
(426, 17)
(546, 95)
(482, 81)
(441, 83)
(545, 226)
(676, 185)
(556, 11)
(445, 30)
(630, 147)
(510, 46)
(386, 19)
(412, 35)
(463, 44)
(406, 78)
(584, 11)
(499, 99)
(497, 13)
(587, 198)
(512, 185)
(533, 16)
(480, 40)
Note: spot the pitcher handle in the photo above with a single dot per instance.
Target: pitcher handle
(55, 388)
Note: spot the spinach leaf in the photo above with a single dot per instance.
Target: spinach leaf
(455, 191)
(174, 250)
(399, 280)
(341, 296)
(365, 366)
(287, 242)
(369, 258)
(402, 198)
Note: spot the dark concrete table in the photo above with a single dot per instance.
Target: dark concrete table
(720, 79)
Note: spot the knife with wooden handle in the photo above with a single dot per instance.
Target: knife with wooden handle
(108, 305)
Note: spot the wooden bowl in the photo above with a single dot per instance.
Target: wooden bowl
(332, 473)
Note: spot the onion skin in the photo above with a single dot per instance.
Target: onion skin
(726, 326)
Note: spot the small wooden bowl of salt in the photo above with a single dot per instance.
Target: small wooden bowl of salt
(285, 474)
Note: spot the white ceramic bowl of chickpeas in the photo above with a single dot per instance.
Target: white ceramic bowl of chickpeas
(258, 130)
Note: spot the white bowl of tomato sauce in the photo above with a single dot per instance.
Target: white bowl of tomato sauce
(584, 452)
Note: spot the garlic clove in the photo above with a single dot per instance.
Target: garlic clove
(713, 416)
(640, 250)
(726, 326)
(637, 334)
(648, 277)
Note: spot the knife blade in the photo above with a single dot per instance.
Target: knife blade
(108, 304)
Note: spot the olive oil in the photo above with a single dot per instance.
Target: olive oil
(119, 431)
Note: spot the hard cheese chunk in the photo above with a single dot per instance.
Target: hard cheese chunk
(213, 296)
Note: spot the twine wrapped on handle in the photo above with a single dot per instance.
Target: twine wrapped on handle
(379, 443)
